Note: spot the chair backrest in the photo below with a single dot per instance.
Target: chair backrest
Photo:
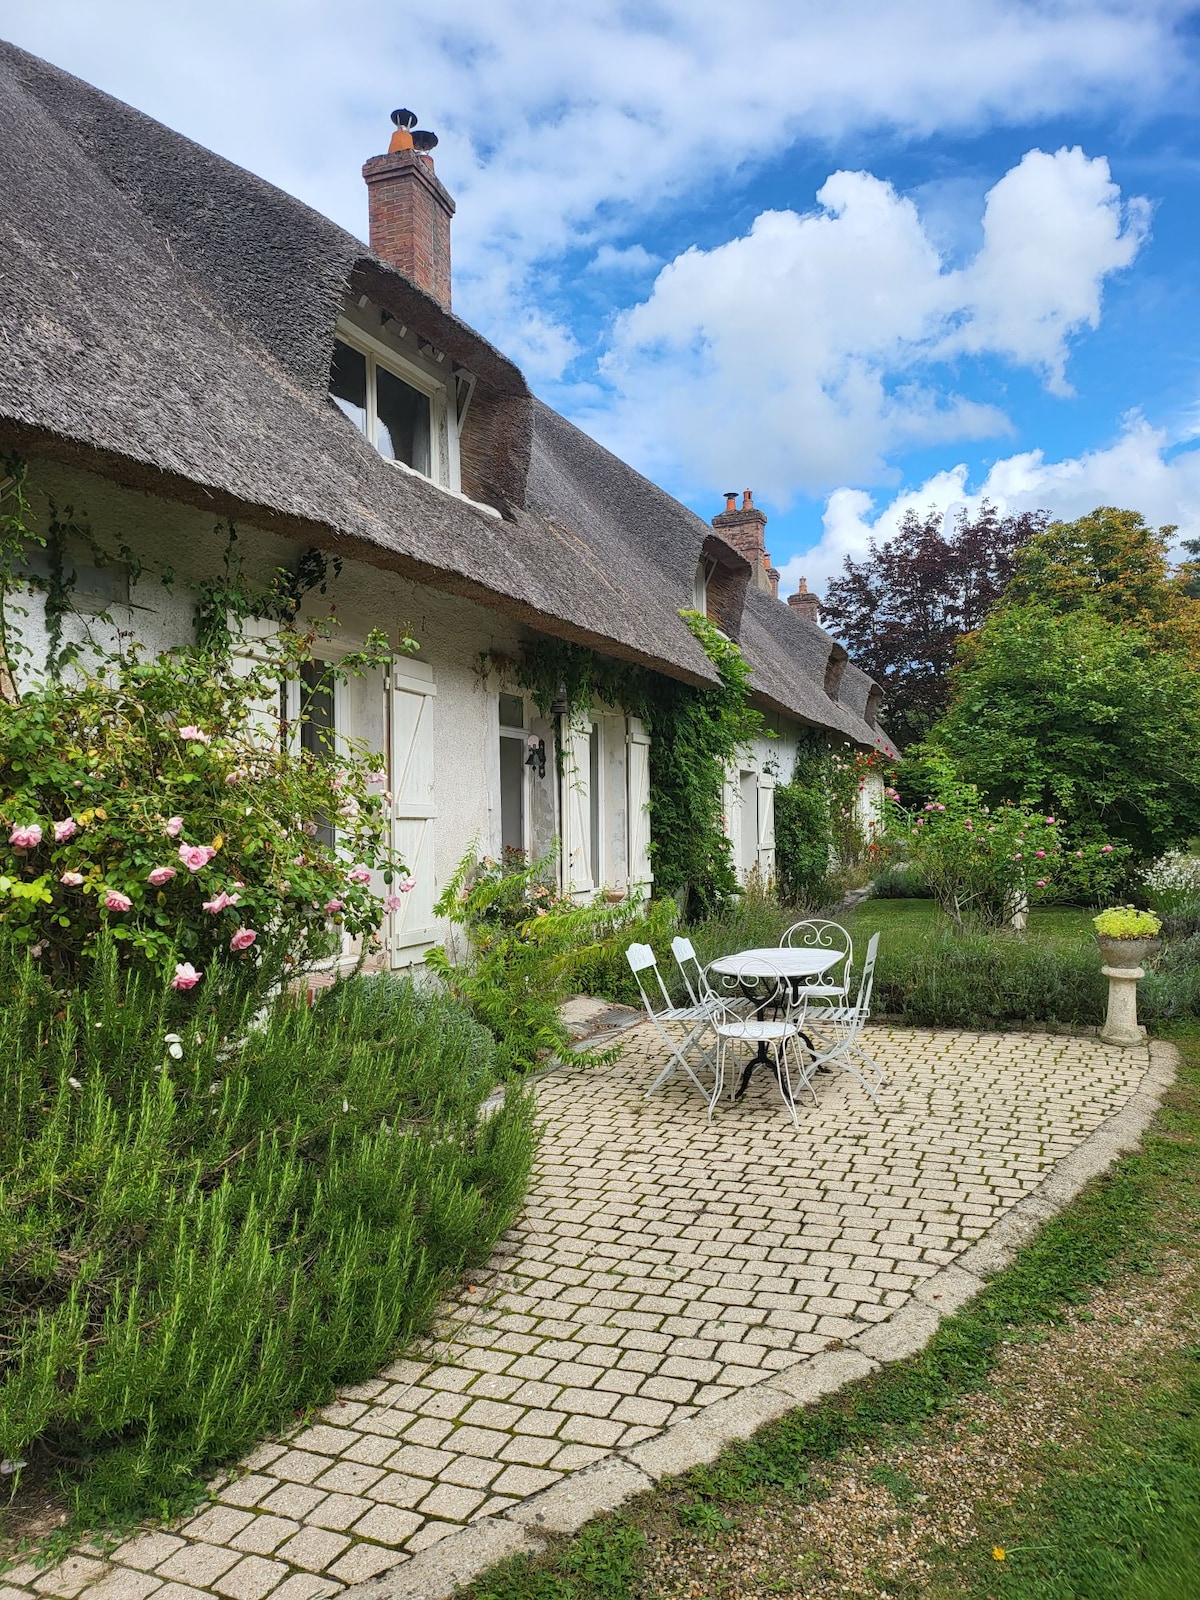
(642, 959)
(771, 993)
(817, 934)
(691, 971)
(862, 1006)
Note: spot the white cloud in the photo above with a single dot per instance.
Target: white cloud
(564, 126)
(634, 260)
(809, 351)
(1140, 470)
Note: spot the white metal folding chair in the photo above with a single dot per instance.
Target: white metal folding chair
(694, 1020)
(817, 934)
(838, 1029)
(773, 1036)
(695, 979)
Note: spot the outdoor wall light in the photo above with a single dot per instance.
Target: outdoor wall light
(537, 754)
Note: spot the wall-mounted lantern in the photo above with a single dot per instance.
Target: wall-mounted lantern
(537, 754)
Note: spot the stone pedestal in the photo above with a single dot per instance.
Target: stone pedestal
(1121, 1024)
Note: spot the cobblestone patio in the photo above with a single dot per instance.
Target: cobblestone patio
(660, 1265)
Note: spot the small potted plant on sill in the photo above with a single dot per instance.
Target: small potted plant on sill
(1126, 936)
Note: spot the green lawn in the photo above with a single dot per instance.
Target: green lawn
(920, 921)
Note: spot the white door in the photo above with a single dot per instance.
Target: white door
(766, 826)
(414, 814)
(638, 779)
(578, 867)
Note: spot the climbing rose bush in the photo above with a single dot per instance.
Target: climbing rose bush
(983, 862)
(166, 803)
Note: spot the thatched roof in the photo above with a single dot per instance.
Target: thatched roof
(167, 319)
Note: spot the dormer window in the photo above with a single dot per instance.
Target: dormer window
(387, 408)
(704, 571)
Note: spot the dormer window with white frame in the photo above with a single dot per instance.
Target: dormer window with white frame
(398, 400)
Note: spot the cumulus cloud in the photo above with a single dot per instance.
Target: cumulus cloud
(809, 351)
(564, 126)
(1142, 469)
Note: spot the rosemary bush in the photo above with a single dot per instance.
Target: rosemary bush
(209, 1217)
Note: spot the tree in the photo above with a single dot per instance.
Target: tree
(902, 610)
(1091, 718)
(1112, 564)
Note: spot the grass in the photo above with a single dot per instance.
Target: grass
(1125, 1527)
(208, 1217)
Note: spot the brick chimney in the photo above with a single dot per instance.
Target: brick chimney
(409, 209)
(806, 604)
(743, 527)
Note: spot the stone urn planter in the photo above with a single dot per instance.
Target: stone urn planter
(1123, 967)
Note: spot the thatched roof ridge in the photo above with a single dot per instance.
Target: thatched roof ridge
(167, 319)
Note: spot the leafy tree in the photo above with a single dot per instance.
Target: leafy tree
(1112, 563)
(1086, 717)
(902, 610)
(1189, 570)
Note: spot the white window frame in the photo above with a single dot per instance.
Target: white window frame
(443, 422)
(523, 735)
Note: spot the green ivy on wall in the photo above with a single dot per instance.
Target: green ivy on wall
(818, 823)
(694, 734)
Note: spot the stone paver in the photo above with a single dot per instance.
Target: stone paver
(660, 1270)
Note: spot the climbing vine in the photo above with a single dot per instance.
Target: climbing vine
(818, 819)
(695, 733)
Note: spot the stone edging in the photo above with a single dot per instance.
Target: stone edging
(436, 1573)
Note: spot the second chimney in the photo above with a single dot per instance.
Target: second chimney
(806, 604)
(744, 529)
(410, 210)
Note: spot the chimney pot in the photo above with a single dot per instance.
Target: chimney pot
(731, 499)
(747, 500)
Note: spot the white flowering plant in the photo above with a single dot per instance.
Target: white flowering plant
(156, 800)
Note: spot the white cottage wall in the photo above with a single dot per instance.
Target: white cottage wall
(453, 635)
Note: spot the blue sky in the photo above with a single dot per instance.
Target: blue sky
(857, 255)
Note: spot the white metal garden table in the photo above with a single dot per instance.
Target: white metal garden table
(749, 969)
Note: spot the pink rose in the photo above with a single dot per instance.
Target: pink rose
(1040, 854)
(334, 906)
(243, 939)
(116, 901)
(359, 874)
(392, 902)
(233, 777)
(407, 882)
(309, 828)
(71, 879)
(26, 837)
(377, 777)
(1106, 849)
(186, 976)
(173, 826)
(64, 830)
(160, 875)
(220, 902)
(195, 856)
(195, 733)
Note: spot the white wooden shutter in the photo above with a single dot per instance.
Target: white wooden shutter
(414, 813)
(252, 638)
(766, 825)
(638, 779)
(577, 810)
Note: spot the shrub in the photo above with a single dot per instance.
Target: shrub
(528, 948)
(818, 822)
(899, 882)
(983, 862)
(161, 803)
(206, 1224)
(1173, 888)
(990, 980)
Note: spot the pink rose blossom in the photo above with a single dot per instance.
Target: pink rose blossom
(1079, 855)
(195, 856)
(334, 906)
(377, 777)
(406, 883)
(195, 733)
(160, 875)
(359, 874)
(71, 879)
(233, 777)
(64, 830)
(392, 902)
(116, 901)
(1017, 857)
(27, 836)
(186, 976)
(220, 902)
(1042, 882)
(1106, 849)
(309, 828)
(243, 939)
(1040, 854)
(173, 827)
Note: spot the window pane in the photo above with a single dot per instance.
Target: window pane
(594, 780)
(401, 421)
(512, 794)
(512, 711)
(348, 383)
(316, 726)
